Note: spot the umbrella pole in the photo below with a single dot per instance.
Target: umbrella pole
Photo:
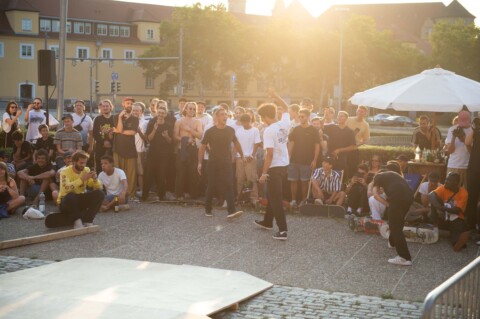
(434, 131)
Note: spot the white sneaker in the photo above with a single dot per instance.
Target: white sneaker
(293, 204)
(224, 204)
(78, 224)
(318, 201)
(400, 261)
(87, 224)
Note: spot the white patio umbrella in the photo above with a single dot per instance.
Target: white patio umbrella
(434, 90)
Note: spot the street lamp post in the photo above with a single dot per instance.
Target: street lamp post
(340, 87)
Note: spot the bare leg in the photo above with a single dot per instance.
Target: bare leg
(304, 189)
(294, 189)
(15, 203)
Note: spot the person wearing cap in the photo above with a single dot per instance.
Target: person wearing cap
(448, 204)
(37, 178)
(425, 188)
(459, 154)
(327, 184)
(402, 160)
(66, 139)
(124, 149)
(103, 133)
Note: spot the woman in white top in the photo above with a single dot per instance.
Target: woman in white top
(10, 122)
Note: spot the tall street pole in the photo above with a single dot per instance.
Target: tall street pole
(61, 59)
(340, 67)
(180, 66)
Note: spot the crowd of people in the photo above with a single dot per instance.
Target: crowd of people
(278, 152)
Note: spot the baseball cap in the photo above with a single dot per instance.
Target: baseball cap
(464, 119)
(67, 154)
(402, 157)
(328, 159)
(128, 98)
(67, 116)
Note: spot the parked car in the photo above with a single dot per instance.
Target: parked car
(396, 120)
(380, 117)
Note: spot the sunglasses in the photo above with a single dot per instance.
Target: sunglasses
(13, 107)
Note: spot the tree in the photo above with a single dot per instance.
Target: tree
(456, 47)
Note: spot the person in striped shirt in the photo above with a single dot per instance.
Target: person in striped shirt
(327, 184)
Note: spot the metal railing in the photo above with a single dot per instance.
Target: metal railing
(458, 297)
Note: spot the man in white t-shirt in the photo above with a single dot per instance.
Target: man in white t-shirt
(246, 167)
(115, 184)
(84, 124)
(274, 172)
(455, 145)
(34, 116)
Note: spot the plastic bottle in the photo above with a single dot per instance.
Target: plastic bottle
(41, 202)
(417, 154)
(117, 207)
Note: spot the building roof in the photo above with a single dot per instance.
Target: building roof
(20, 5)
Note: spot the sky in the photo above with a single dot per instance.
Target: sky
(316, 7)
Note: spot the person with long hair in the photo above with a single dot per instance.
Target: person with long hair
(10, 122)
(9, 197)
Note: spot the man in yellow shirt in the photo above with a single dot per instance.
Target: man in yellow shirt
(81, 206)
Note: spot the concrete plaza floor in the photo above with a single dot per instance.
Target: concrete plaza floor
(319, 253)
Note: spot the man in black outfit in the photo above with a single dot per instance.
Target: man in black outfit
(103, 133)
(472, 141)
(219, 170)
(399, 198)
(160, 137)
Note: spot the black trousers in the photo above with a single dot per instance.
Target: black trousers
(82, 206)
(155, 171)
(357, 198)
(473, 186)
(275, 210)
(455, 227)
(396, 221)
(220, 181)
(187, 176)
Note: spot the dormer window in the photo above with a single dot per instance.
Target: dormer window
(26, 24)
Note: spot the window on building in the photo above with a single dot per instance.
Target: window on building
(26, 51)
(2, 50)
(150, 34)
(128, 54)
(79, 27)
(102, 29)
(107, 54)
(149, 82)
(82, 53)
(125, 32)
(56, 49)
(88, 28)
(26, 24)
(114, 30)
(69, 27)
(45, 25)
(55, 26)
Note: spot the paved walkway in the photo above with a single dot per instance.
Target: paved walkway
(319, 255)
(287, 302)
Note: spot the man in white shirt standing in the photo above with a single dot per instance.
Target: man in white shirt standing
(455, 145)
(246, 167)
(34, 116)
(274, 172)
(84, 124)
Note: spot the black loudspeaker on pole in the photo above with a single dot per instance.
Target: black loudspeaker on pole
(46, 68)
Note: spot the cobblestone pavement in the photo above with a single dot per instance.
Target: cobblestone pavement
(287, 302)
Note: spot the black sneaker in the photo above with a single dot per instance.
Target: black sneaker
(209, 214)
(281, 235)
(261, 224)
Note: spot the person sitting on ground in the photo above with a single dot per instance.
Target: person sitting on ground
(79, 205)
(377, 201)
(67, 159)
(115, 184)
(357, 192)
(326, 184)
(22, 153)
(424, 190)
(37, 178)
(67, 139)
(10, 167)
(44, 142)
(448, 207)
(9, 197)
(402, 160)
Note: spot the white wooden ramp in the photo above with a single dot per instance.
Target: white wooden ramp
(117, 288)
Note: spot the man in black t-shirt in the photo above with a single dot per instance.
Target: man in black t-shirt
(303, 149)
(341, 143)
(160, 137)
(124, 150)
(44, 142)
(399, 200)
(219, 170)
(103, 133)
(37, 178)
